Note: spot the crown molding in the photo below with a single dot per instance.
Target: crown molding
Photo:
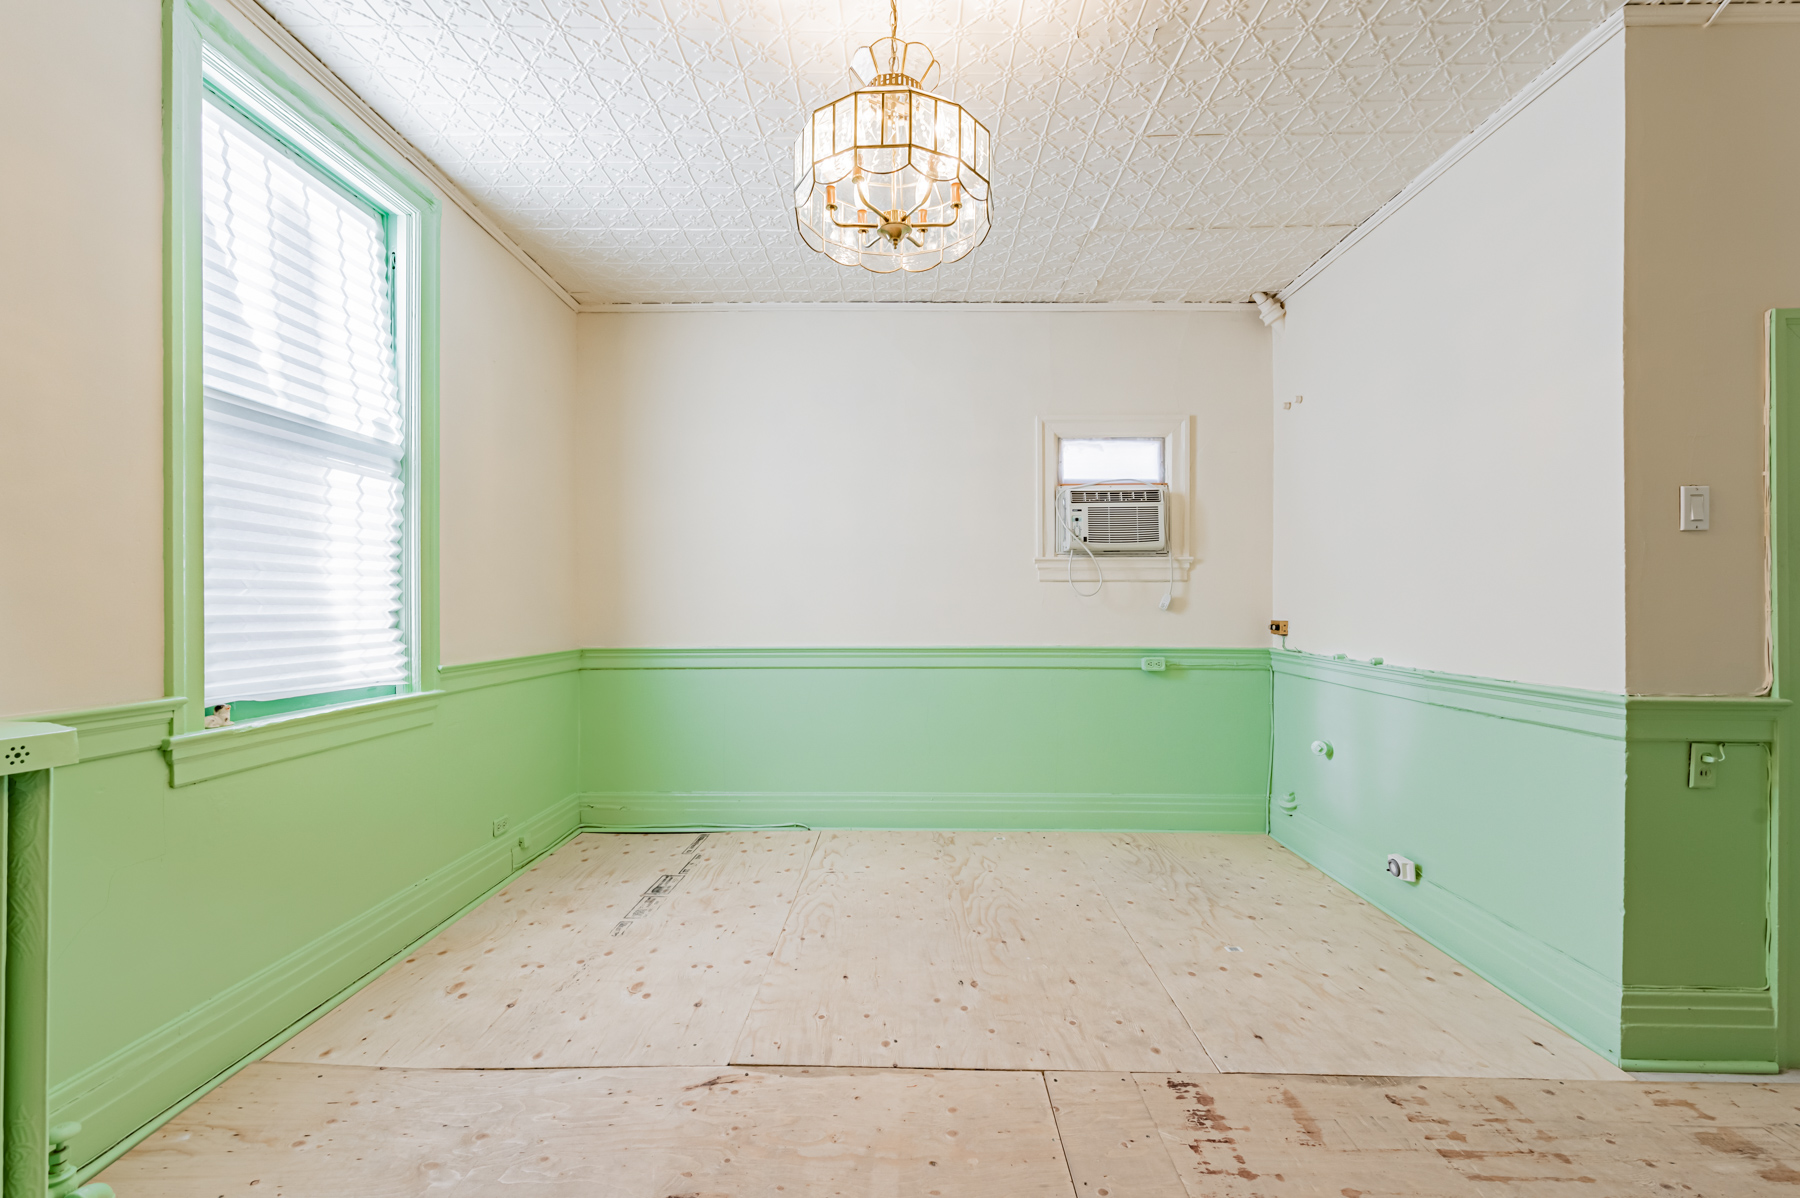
(889, 305)
(1577, 54)
(306, 60)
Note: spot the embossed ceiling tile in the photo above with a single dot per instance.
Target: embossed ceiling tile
(623, 138)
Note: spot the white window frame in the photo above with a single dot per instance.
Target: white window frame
(1176, 433)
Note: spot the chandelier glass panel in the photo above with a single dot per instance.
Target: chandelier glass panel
(892, 177)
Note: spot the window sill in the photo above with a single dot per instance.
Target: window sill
(216, 752)
(1117, 569)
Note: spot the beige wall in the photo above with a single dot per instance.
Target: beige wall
(1713, 190)
(507, 459)
(804, 478)
(81, 483)
(81, 398)
(1449, 494)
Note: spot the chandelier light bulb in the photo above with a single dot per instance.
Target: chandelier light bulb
(903, 156)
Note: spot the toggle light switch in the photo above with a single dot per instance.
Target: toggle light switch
(1696, 509)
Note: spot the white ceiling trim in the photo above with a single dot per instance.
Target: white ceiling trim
(309, 62)
(941, 305)
(1576, 55)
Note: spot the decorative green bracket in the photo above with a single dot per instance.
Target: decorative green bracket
(33, 1156)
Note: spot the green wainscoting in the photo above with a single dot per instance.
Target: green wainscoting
(926, 738)
(194, 924)
(1511, 799)
(1563, 855)
(1699, 950)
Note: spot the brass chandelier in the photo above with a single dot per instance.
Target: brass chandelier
(892, 177)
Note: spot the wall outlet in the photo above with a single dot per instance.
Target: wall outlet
(500, 826)
(1154, 665)
(1402, 868)
(1703, 766)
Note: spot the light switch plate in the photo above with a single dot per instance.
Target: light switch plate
(1696, 509)
(27, 746)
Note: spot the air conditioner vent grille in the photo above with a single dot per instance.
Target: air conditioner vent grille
(1124, 524)
(1115, 497)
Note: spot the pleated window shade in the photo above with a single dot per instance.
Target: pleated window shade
(304, 432)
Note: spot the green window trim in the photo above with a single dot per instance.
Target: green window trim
(215, 752)
(199, 40)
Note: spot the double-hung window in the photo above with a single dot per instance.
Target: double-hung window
(304, 430)
(300, 392)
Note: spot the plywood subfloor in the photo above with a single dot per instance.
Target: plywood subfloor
(1278, 969)
(941, 1014)
(324, 1131)
(333, 1131)
(1251, 1136)
(1111, 1143)
(1048, 951)
(613, 950)
(960, 950)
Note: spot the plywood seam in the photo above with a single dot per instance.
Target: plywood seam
(774, 955)
(1056, 1122)
(1106, 893)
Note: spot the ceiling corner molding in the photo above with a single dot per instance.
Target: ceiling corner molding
(921, 305)
(1738, 12)
(1599, 36)
(294, 48)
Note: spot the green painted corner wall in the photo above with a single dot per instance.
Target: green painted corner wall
(1511, 800)
(192, 923)
(943, 738)
(1562, 853)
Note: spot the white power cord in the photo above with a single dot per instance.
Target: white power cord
(1062, 514)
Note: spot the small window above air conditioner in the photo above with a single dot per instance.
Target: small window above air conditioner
(1109, 459)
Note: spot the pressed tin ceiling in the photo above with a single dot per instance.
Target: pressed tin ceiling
(641, 150)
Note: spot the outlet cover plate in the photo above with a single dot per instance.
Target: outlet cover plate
(1703, 766)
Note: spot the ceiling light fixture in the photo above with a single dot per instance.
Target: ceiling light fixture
(892, 177)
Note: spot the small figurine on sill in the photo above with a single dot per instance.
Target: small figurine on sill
(218, 717)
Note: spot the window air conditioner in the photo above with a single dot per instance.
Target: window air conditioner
(1113, 518)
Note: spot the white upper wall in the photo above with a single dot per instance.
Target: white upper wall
(81, 403)
(867, 477)
(1449, 495)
